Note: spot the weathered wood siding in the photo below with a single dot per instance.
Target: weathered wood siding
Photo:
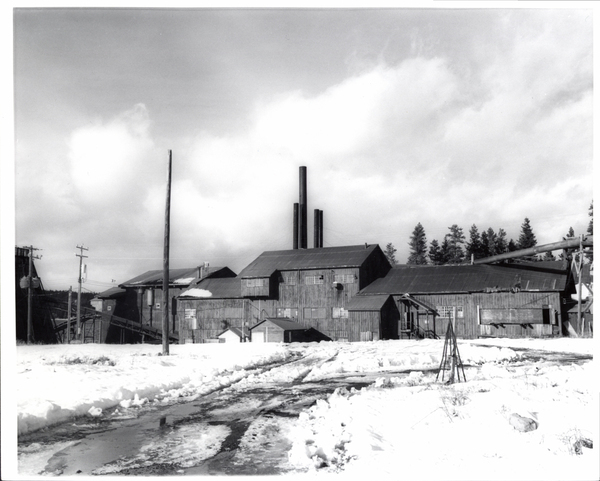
(467, 325)
(257, 287)
(201, 320)
(271, 332)
(310, 298)
(364, 326)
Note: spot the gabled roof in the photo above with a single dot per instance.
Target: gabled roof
(177, 277)
(217, 288)
(467, 278)
(239, 332)
(322, 258)
(283, 323)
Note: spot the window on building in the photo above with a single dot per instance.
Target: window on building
(339, 313)
(314, 313)
(289, 279)
(255, 282)
(312, 280)
(448, 311)
(289, 312)
(344, 278)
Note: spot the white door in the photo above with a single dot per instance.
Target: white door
(258, 336)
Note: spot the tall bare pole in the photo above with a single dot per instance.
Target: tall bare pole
(165, 289)
(81, 256)
(69, 315)
(30, 287)
(29, 295)
(579, 269)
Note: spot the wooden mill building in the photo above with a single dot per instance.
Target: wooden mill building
(142, 301)
(487, 300)
(312, 287)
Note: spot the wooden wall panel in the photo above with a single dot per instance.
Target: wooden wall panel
(467, 327)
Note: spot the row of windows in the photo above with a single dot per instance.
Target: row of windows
(448, 311)
(291, 280)
(313, 312)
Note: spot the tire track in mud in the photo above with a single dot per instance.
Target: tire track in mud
(236, 407)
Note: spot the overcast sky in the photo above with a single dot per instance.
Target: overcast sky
(401, 116)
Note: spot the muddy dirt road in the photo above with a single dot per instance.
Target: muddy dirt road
(239, 429)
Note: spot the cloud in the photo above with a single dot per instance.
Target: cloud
(441, 137)
(113, 161)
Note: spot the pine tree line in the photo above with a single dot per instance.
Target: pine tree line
(456, 249)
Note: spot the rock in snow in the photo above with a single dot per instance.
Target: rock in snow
(523, 424)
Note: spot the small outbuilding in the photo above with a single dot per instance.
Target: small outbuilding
(234, 334)
(284, 330)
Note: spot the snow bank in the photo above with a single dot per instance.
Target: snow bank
(404, 424)
(55, 383)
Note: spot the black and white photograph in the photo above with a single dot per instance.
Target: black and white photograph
(314, 240)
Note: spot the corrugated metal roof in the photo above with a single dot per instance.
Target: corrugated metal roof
(111, 293)
(155, 277)
(220, 288)
(182, 277)
(321, 258)
(367, 303)
(285, 324)
(467, 278)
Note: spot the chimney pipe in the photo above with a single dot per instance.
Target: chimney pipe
(303, 201)
(316, 234)
(320, 228)
(295, 234)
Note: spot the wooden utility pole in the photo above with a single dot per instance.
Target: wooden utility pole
(165, 313)
(69, 315)
(81, 256)
(579, 269)
(30, 286)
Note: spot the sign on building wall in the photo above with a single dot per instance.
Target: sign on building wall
(190, 319)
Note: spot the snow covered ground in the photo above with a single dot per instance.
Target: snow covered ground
(404, 425)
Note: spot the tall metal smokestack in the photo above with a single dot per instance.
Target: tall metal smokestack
(295, 234)
(320, 228)
(303, 217)
(316, 235)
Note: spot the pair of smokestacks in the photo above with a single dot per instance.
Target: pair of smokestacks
(300, 234)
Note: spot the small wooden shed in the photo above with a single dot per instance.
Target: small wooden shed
(234, 334)
(284, 330)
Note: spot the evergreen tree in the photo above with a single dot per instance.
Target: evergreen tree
(485, 244)
(566, 254)
(548, 256)
(418, 246)
(474, 246)
(390, 253)
(527, 239)
(490, 242)
(501, 244)
(445, 249)
(454, 240)
(512, 246)
(436, 256)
